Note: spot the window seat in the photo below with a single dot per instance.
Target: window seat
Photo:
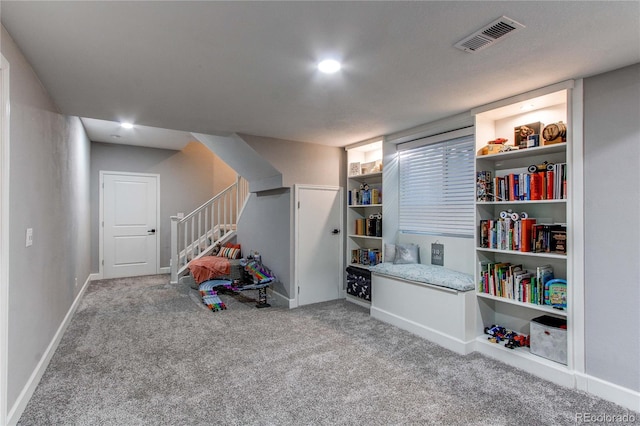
(427, 274)
(431, 301)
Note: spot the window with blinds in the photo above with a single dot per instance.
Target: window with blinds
(437, 187)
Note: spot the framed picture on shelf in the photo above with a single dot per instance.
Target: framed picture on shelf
(354, 169)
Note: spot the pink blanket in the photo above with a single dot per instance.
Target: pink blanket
(209, 267)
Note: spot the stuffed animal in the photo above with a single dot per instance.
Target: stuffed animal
(216, 249)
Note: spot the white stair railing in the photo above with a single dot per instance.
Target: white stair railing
(195, 234)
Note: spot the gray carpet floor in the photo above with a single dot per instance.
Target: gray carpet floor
(144, 352)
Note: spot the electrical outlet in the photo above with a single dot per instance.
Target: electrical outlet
(29, 241)
(76, 281)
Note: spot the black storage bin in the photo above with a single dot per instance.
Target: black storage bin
(359, 283)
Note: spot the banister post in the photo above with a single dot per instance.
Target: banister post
(174, 249)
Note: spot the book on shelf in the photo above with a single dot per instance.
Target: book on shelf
(366, 257)
(525, 235)
(370, 226)
(512, 281)
(526, 226)
(364, 197)
(558, 242)
(483, 234)
(539, 185)
(544, 274)
(376, 196)
(550, 238)
(484, 186)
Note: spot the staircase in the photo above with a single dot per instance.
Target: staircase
(195, 234)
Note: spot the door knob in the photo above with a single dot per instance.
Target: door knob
(335, 231)
(151, 231)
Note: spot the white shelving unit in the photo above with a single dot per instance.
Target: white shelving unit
(363, 153)
(498, 120)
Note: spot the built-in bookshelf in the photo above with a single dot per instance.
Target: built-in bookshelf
(523, 194)
(364, 205)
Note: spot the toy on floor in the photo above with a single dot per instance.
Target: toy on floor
(261, 277)
(512, 339)
(258, 276)
(210, 296)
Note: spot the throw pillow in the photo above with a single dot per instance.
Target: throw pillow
(231, 251)
(389, 252)
(407, 254)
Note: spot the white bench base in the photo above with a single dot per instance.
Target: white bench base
(441, 315)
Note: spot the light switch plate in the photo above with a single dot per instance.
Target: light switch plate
(29, 241)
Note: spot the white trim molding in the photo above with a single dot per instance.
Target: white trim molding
(610, 391)
(282, 300)
(4, 232)
(30, 387)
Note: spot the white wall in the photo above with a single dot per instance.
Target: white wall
(612, 230)
(49, 193)
(264, 227)
(188, 178)
(302, 163)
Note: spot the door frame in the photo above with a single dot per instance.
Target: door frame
(4, 240)
(103, 173)
(296, 230)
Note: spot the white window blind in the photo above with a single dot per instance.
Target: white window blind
(437, 188)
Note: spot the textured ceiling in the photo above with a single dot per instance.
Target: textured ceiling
(248, 67)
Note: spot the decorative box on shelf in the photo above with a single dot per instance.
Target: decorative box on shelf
(548, 338)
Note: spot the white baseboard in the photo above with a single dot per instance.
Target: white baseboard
(357, 301)
(625, 397)
(451, 343)
(282, 299)
(96, 276)
(164, 270)
(27, 392)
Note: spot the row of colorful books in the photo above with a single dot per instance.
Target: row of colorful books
(364, 256)
(523, 235)
(550, 184)
(516, 283)
(370, 226)
(364, 197)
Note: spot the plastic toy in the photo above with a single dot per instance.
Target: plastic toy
(542, 167)
(512, 339)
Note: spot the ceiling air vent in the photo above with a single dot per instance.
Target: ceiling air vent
(489, 35)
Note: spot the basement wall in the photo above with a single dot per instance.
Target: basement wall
(611, 227)
(50, 194)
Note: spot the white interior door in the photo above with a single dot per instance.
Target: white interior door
(130, 220)
(319, 247)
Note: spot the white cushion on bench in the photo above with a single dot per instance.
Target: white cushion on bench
(428, 274)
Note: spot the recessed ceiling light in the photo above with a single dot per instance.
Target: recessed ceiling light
(329, 66)
(126, 125)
